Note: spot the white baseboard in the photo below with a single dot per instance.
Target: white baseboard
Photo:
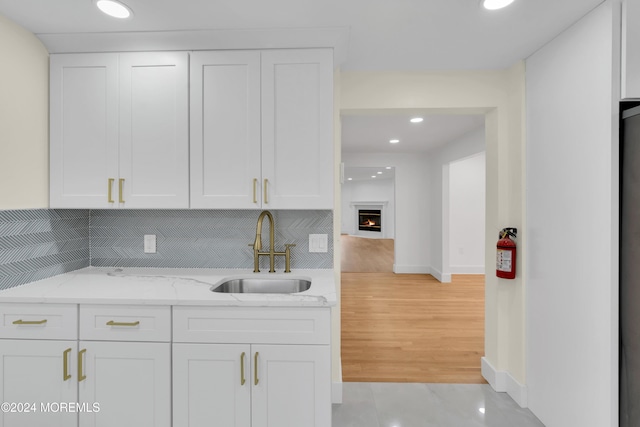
(442, 277)
(467, 269)
(336, 392)
(336, 387)
(411, 269)
(502, 381)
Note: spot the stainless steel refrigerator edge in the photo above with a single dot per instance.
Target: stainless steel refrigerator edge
(630, 269)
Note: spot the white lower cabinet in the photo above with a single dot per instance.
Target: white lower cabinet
(293, 387)
(64, 365)
(211, 385)
(78, 378)
(251, 367)
(36, 376)
(236, 385)
(129, 380)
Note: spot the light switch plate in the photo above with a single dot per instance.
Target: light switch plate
(318, 243)
(149, 243)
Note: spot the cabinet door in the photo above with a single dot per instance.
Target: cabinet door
(154, 130)
(225, 130)
(207, 385)
(130, 381)
(84, 130)
(297, 128)
(33, 372)
(294, 386)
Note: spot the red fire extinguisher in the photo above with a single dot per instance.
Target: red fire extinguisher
(506, 254)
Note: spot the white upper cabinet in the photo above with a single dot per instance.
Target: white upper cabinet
(84, 129)
(260, 124)
(119, 130)
(225, 129)
(297, 129)
(154, 130)
(262, 129)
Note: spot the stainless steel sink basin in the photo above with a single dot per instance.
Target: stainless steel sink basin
(262, 286)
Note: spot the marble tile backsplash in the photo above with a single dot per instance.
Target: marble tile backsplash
(40, 243)
(204, 238)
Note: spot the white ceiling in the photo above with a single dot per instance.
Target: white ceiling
(372, 133)
(367, 173)
(366, 35)
(383, 35)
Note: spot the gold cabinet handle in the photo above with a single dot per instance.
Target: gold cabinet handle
(109, 191)
(266, 196)
(255, 190)
(65, 365)
(255, 368)
(120, 185)
(29, 322)
(242, 380)
(81, 376)
(113, 323)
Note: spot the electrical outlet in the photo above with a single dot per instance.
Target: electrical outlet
(149, 243)
(318, 243)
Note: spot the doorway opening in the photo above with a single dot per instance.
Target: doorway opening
(405, 324)
(368, 220)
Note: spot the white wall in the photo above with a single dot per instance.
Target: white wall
(24, 119)
(411, 203)
(466, 215)
(379, 190)
(439, 160)
(572, 307)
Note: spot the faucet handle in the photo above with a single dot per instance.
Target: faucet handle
(287, 257)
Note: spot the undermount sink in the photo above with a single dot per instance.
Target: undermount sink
(274, 285)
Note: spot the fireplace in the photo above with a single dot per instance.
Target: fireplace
(370, 220)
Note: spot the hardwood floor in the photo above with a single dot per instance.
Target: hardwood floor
(364, 255)
(412, 328)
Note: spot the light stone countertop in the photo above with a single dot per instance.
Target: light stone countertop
(168, 286)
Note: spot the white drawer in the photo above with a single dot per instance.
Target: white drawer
(252, 325)
(125, 323)
(39, 321)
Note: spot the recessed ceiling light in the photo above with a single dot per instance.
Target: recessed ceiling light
(496, 4)
(114, 8)
(416, 120)
(349, 179)
(373, 176)
(388, 167)
(379, 173)
(394, 141)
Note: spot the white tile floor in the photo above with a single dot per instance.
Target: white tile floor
(428, 405)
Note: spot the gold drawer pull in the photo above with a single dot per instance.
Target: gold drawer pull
(242, 380)
(112, 323)
(120, 185)
(255, 368)
(266, 196)
(255, 185)
(65, 365)
(81, 376)
(29, 322)
(109, 195)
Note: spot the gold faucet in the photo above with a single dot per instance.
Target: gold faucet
(257, 246)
